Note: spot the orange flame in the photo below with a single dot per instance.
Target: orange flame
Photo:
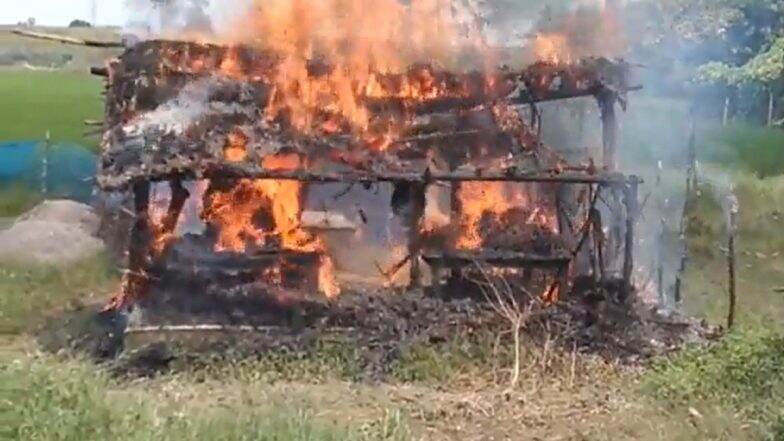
(552, 48)
(235, 151)
(592, 28)
(355, 42)
(235, 212)
(478, 199)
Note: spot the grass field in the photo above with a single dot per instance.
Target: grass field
(34, 102)
(37, 98)
(760, 256)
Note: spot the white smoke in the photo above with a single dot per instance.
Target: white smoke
(182, 18)
(191, 105)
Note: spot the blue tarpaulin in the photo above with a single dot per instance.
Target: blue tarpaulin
(70, 171)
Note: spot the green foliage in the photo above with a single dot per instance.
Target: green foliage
(702, 20)
(758, 150)
(717, 72)
(744, 371)
(69, 400)
(766, 67)
(34, 102)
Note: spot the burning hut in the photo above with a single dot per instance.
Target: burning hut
(225, 150)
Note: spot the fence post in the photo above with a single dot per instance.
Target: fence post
(45, 166)
(732, 229)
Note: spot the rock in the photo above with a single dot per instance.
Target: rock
(64, 212)
(54, 233)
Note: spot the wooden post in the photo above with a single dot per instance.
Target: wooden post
(677, 297)
(631, 202)
(660, 264)
(417, 195)
(770, 105)
(45, 166)
(179, 195)
(137, 282)
(732, 229)
(662, 208)
(692, 167)
(592, 198)
(607, 100)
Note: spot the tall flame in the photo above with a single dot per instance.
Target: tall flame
(235, 212)
(356, 40)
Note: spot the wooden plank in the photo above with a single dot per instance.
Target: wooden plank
(255, 172)
(67, 40)
(512, 258)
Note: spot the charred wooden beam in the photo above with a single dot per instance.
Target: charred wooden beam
(500, 258)
(231, 266)
(136, 283)
(165, 231)
(100, 71)
(607, 100)
(526, 98)
(228, 172)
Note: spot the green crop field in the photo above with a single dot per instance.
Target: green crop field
(45, 85)
(58, 102)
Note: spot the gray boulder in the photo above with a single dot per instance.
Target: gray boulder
(53, 233)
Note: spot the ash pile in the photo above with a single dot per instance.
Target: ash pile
(276, 205)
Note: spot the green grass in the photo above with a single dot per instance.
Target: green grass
(49, 399)
(34, 102)
(743, 374)
(28, 293)
(16, 199)
(760, 253)
(754, 149)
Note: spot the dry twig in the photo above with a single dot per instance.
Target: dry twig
(505, 301)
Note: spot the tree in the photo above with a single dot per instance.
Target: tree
(79, 24)
(766, 69)
(733, 44)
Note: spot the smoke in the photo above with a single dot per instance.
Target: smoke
(191, 105)
(182, 19)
